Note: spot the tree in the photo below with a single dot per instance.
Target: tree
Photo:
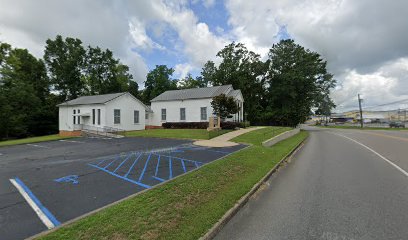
(190, 82)
(244, 70)
(158, 81)
(208, 72)
(297, 80)
(24, 93)
(224, 106)
(65, 59)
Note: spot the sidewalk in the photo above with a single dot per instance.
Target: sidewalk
(223, 140)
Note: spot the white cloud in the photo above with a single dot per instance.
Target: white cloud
(181, 70)
(360, 39)
(140, 38)
(199, 43)
(386, 84)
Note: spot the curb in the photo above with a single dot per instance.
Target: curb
(280, 137)
(69, 222)
(216, 228)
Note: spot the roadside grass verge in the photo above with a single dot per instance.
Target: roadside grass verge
(176, 133)
(188, 206)
(258, 136)
(365, 128)
(32, 140)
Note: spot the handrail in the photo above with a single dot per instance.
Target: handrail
(99, 130)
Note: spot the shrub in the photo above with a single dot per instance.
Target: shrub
(189, 125)
(230, 125)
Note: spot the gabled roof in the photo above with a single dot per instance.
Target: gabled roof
(94, 99)
(234, 93)
(193, 93)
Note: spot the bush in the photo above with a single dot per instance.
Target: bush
(230, 125)
(189, 125)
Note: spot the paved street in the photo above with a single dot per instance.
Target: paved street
(335, 187)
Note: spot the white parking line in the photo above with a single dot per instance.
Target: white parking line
(71, 141)
(46, 217)
(376, 153)
(35, 145)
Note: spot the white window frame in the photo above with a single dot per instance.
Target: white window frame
(136, 117)
(182, 114)
(201, 114)
(116, 117)
(99, 116)
(163, 114)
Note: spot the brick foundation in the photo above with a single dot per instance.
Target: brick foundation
(76, 133)
(152, 127)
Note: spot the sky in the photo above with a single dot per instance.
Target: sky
(365, 42)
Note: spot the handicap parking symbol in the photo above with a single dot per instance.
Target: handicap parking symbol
(69, 178)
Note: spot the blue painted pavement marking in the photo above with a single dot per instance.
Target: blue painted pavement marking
(157, 178)
(145, 166)
(117, 157)
(121, 177)
(177, 158)
(134, 162)
(127, 157)
(157, 166)
(37, 202)
(182, 164)
(170, 169)
(69, 178)
(103, 160)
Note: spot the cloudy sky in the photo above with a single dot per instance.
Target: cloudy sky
(365, 42)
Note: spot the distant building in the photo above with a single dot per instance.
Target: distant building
(191, 105)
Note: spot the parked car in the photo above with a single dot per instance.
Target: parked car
(397, 124)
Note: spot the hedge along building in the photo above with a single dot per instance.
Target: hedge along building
(190, 105)
(102, 112)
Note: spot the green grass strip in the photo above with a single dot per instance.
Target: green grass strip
(188, 206)
(32, 140)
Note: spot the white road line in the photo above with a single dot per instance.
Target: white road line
(35, 145)
(33, 205)
(376, 153)
(71, 141)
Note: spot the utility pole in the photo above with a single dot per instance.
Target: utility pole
(361, 111)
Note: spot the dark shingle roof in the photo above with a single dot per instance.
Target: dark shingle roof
(95, 99)
(193, 93)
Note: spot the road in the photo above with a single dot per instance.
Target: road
(342, 185)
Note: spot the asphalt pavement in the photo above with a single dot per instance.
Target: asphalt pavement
(66, 179)
(343, 184)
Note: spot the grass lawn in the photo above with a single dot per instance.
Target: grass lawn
(188, 206)
(365, 128)
(32, 140)
(258, 136)
(176, 133)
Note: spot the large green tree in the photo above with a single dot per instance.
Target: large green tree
(24, 95)
(190, 82)
(65, 60)
(158, 81)
(297, 80)
(105, 74)
(244, 70)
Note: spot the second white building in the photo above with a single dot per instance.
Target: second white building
(190, 105)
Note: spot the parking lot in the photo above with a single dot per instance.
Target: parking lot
(68, 178)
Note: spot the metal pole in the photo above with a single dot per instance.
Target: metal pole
(361, 111)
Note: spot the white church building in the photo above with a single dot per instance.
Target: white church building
(124, 112)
